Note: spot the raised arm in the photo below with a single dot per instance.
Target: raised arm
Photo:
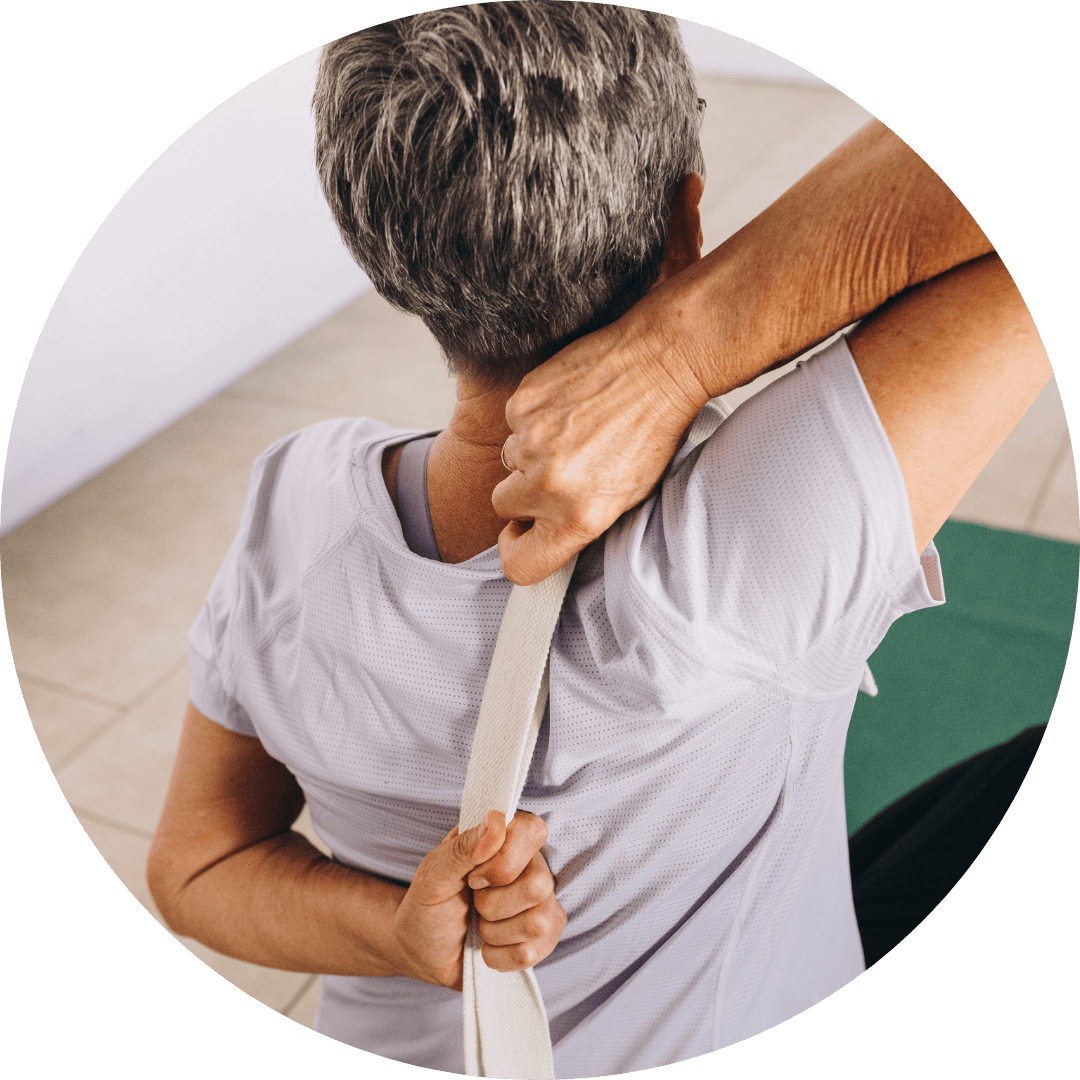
(950, 366)
(596, 425)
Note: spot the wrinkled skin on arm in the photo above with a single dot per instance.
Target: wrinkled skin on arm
(595, 426)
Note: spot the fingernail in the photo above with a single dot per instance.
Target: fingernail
(481, 829)
(478, 883)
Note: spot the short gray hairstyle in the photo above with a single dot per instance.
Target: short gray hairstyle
(506, 171)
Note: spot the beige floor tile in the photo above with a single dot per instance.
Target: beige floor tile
(101, 587)
(303, 1008)
(1005, 492)
(62, 720)
(126, 855)
(268, 985)
(1057, 514)
(123, 775)
(125, 852)
(366, 360)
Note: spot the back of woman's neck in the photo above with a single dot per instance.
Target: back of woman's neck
(461, 478)
(463, 469)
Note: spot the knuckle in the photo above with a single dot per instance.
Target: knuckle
(535, 924)
(518, 575)
(539, 887)
(536, 827)
(519, 562)
(520, 404)
(524, 954)
(498, 874)
(560, 917)
(588, 522)
(494, 958)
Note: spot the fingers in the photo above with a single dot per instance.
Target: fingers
(533, 887)
(524, 836)
(523, 941)
(464, 851)
(513, 498)
(507, 455)
(593, 429)
(545, 529)
(536, 924)
(521, 921)
(532, 554)
(443, 870)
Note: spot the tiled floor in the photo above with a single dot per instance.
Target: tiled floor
(101, 587)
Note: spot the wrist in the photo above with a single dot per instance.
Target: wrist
(369, 920)
(399, 958)
(691, 323)
(663, 336)
(411, 953)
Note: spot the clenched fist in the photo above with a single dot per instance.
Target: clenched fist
(497, 867)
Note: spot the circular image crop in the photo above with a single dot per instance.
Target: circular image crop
(539, 540)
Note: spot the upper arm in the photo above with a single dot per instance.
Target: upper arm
(783, 543)
(226, 794)
(950, 367)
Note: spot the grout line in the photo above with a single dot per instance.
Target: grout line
(157, 683)
(123, 711)
(101, 819)
(1047, 481)
(70, 691)
(294, 1001)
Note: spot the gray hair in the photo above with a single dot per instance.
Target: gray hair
(506, 171)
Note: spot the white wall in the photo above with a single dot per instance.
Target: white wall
(714, 53)
(219, 255)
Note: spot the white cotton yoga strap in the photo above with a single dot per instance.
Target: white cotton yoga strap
(506, 1027)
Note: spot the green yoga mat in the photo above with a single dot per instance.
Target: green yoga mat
(958, 679)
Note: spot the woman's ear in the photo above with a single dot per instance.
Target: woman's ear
(684, 238)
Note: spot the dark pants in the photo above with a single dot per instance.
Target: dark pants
(904, 860)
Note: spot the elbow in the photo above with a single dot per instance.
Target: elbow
(166, 886)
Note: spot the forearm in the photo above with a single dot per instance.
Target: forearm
(595, 427)
(868, 222)
(226, 869)
(282, 904)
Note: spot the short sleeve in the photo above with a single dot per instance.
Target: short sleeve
(207, 690)
(211, 639)
(783, 545)
(299, 507)
(212, 644)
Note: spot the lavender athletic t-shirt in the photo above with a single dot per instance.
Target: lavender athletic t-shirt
(689, 767)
